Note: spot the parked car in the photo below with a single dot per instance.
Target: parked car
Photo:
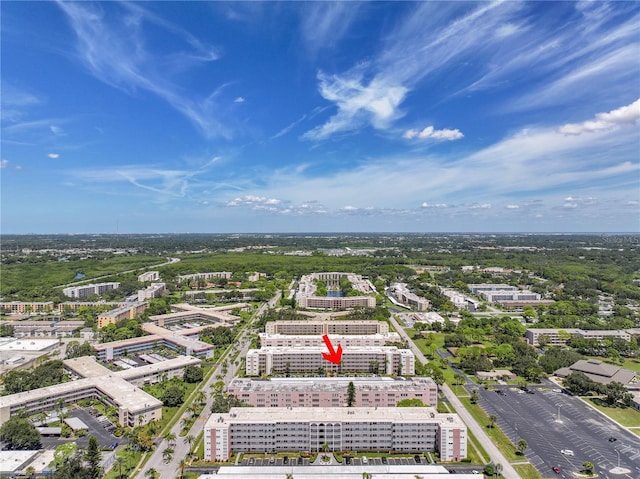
(613, 439)
(556, 469)
(567, 452)
(365, 460)
(385, 460)
(417, 459)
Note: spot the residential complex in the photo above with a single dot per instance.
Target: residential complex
(284, 360)
(319, 327)
(204, 276)
(560, 337)
(306, 298)
(356, 429)
(332, 391)
(179, 341)
(400, 292)
(85, 290)
(187, 312)
(305, 340)
(46, 328)
(484, 287)
(128, 311)
(22, 307)
(135, 406)
(152, 291)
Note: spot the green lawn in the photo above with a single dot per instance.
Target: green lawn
(633, 364)
(626, 416)
(527, 471)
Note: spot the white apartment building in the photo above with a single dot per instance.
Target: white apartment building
(85, 290)
(204, 276)
(520, 295)
(560, 337)
(152, 291)
(400, 292)
(347, 341)
(375, 391)
(374, 360)
(482, 287)
(319, 327)
(149, 276)
(357, 429)
(306, 298)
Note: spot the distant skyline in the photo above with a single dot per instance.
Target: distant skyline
(283, 117)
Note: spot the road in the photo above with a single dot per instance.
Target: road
(85, 280)
(181, 449)
(496, 456)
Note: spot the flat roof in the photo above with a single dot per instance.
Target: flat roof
(250, 415)
(86, 367)
(13, 461)
(169, 364)
(331, 384)
(346, 337)
(323, 349)
(30, 344)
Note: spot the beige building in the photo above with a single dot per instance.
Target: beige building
(127, 312)
(374, 360)
(22, 307)
(408, 430)
(306, 294)
(316, 341)
(400, 292)
(319, 327)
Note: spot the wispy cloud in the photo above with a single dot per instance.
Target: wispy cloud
(239, 100)
(626, 115)
(325, 23)
(4, 163)
(53, 156)
(113, 49)
(430, 133)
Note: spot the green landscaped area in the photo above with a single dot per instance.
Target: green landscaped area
(527, 471)
(632, 364)
(624, 415)
(495, 433)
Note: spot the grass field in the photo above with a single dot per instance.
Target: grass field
(49, 274)
(625, 416)
(527, 471)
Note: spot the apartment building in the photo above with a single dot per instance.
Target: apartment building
(358, 429)
(187, 312)
(332, 391)
(375, 360)
(22, 307)
(350, 341)
(509, 296)
(483, 287)
(400, 292)
(319, 327)
(204, 276)
(47, 328)
(75, 305)
(560, 337)
(128, 311)
(149, 276)
(152, 291)
(85, 290)
(306, 298)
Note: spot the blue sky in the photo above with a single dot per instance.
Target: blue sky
(320, 117)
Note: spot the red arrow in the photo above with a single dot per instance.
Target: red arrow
(333, 356)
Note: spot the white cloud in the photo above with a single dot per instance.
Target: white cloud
(53, 156)
(429, 132)
(56, 130)
(325, 23)
(358, 103)
(239, 100)
(512, 207)
(4, 163)
(254, 201)
(483, 206)
(436, 205)
(625, 115)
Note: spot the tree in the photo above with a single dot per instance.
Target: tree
(73, 468)
(93, 456)
(351, 394)
(474, 396)
(152, 474)
(587, 468)
(522, 446)
(167, 454)
(492, 421)
(19, 433)
(170, 437)
(498, 469)
(614, 392)
(173, 395)
(190, 439)
(193, 374)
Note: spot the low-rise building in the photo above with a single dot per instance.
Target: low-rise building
(154, 290)
(22, 307)
(126, 312)
(402, 294)
(205, 276)
(149, 276)
(46, 328)
(355, 429)
(375, 360)
(333, 391)
(602, 373)
(306, 294)
(560, 336)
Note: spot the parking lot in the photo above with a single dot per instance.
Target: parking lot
(551, 421)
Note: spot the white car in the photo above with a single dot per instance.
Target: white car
(364, 460)
(567, 452)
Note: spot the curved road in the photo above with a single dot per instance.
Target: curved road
(494, 453)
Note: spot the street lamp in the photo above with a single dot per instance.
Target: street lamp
(618, 453)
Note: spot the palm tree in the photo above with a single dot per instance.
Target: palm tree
(289, 476)
(492, 421)
(182, 466)
(588, 467)
(522, 446)
(325, 447)
(366, 475)
(498, 469)
(190, 439)
(152, 474)
(170, 437)
(167, 454)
